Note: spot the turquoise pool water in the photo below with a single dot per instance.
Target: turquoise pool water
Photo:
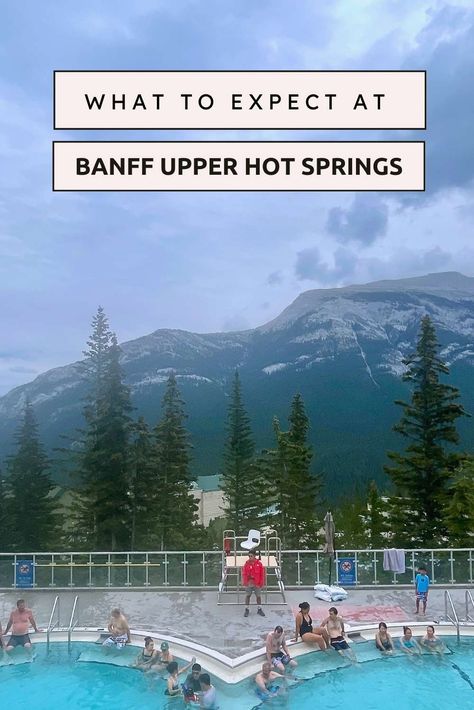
(60, 681)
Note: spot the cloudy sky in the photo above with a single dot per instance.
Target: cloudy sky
(222, 261)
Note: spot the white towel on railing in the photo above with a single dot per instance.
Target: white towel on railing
(394, 560)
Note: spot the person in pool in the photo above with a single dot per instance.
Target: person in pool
(172, 685)
(208, 697)
(165, 656)
(383, 640)
(337, 637)
(408, 644)
(148, 656)
(192, 684)
(304, 628)
(431, 642)
(266, 687)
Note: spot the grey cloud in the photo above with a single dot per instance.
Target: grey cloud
(236, 322)
(274, 278)
(311, 267)
(364, 221)
(450, 99)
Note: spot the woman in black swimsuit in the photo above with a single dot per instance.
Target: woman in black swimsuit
(148, 656)
(304, 628)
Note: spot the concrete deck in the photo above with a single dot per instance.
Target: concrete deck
(195, 615)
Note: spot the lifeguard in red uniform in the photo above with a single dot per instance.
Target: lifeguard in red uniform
(253, 579)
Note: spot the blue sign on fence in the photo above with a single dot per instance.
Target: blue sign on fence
(24, 573)
(346, 571)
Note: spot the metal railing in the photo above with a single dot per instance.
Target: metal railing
(453, 617)
(203, 569)
(73, 622)
(51, 625)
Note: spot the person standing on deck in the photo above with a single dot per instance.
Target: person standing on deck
(253, 578)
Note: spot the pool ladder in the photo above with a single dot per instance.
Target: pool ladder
(55, 621)
(452, 615)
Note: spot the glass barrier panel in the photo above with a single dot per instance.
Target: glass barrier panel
(175, 569)
(7, 571)
(137, 570)
(461, 566)
(42, 570)
(213, 568)
(289, 568)
(156, 569)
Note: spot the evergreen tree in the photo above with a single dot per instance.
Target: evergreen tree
(32, 512)
(238, 476)
(459, 518)
(6, 538)
(176, 515)
(349, 522)
(104, 512)
(144, 491)
(286, 478)
(422, 473)
(376, 519)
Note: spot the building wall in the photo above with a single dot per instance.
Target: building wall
(211, 505)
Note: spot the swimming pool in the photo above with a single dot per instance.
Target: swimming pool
(59, 680)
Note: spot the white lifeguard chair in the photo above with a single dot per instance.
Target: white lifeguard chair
(235, 550)
(252, 541)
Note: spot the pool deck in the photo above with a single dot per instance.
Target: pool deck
(195, 615)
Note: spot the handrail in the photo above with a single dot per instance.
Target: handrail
(55, 571)
(454, 620)
(52, 626)
(72, 622)
(468, 598)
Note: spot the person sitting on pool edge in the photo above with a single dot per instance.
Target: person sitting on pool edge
(266, 688)
(119, 630)
(20, 620)
(304, 628)
(335, 628)
(148, 656)
(277, 650)
(172, 685)
(383, 640)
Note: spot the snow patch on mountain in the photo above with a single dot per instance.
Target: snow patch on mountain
(270, 369)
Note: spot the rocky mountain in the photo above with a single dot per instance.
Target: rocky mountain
(341, 348)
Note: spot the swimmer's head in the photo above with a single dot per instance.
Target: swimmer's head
(278, 630)
(333, 611)
(266, 668)
(149, 643)
(304, 606)
(172, 667)
(383, 625)
(165, 646)
(205, 680)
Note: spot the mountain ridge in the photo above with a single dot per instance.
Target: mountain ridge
(343, 349)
